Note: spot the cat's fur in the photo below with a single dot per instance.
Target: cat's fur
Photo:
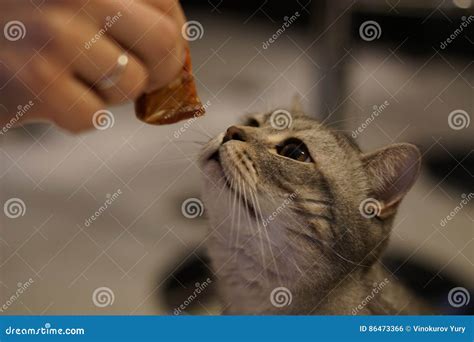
(318, 245)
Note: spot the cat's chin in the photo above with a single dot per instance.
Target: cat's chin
(217, 182)
(213, 169)
(213, 173)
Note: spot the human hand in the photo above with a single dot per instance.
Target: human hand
(68, 59)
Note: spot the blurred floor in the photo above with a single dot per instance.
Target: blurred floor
(131, 247)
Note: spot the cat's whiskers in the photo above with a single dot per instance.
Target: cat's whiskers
(224, 187)
(253, 234)
(240, 207)
(292, 255)
(174, 160)
(249, 219)
(232, 226)
(244, 197)
(201, 132)
(258, 233)
(185, 141)
(327, 121)
(268, 238)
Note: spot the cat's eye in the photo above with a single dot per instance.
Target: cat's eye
(252, 123)
(294, 149)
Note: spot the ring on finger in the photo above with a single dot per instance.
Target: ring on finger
(113, 77)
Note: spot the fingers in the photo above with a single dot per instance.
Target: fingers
(154, 36)
(61, 68)
(56, 95)
(77, 106)
(97, 62)
(171, 8)
(116, 77)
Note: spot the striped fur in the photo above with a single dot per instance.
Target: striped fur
(317, 244)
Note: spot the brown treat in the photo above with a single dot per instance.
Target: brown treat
(175, 102)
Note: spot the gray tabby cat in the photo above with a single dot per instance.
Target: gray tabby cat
(300, 218)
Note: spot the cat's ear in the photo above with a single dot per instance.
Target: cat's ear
(392, 172)
(296, 105)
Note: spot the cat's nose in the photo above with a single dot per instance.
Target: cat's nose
(234, 133)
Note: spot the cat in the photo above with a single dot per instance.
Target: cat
(300, 218)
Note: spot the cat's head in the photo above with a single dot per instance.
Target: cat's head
(292, 194)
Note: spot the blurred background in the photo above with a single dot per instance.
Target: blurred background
(384, 71)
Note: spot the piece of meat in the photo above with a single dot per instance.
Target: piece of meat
(175, 102)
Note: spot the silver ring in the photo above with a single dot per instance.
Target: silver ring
(110, 80)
